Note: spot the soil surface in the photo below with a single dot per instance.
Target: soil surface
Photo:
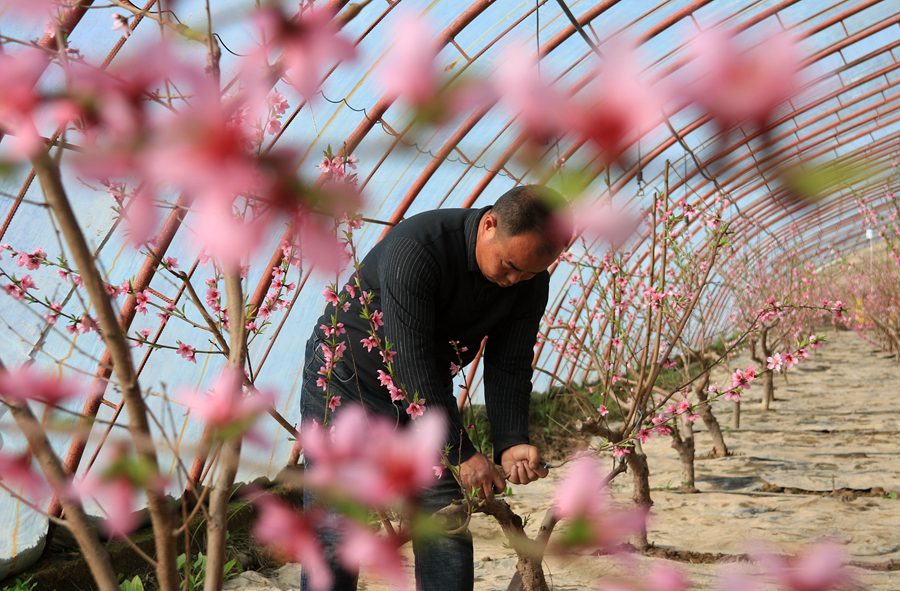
(821, 463)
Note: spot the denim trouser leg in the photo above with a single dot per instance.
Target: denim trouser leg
(312, 406)
(330, 538)
(444, 563)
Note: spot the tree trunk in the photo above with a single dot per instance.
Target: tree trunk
(736, 415)
(530, 576)
(768, 382)
(768, 390)
(161, 514)
(720, 450)
(92, 550)
(217, 525)
(640, 477)
(529, 571)
(683, 443)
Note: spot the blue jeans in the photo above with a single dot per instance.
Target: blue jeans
(443, 563)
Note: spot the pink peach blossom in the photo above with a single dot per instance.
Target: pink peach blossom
(227, 407)
(18, 289)
(582, 497)
(20, 99)
(385, 379)
(33, 260)
(201, 150)
(541, 110)
(187, 351)
(742, 378)
(737, 84)
(620, 108)
(409, 71)
(396, 393)
(368, 459)
(141, 300)
(16, 473)
(387, 355)
(662, 577)
(819, 567)
(364, 550)
(416, 408)
(116, 495)
(291, 534)
(27, 383)
(32, 9)
(310, 42)
(602, 219)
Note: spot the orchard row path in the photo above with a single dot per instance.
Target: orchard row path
(822, 462)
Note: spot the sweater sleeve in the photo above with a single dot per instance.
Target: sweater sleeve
(507, 368)
(409, 283)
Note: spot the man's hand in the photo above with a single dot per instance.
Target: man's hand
(522, 464)
(479, 472)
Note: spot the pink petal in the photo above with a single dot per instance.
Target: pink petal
(363, 549)
(409, 70)
(26, 383)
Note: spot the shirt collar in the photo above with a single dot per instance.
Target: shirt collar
(472, 223)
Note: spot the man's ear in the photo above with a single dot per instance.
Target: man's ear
(490, 222)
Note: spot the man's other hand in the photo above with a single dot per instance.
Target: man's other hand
(522, 464)
(480, 473)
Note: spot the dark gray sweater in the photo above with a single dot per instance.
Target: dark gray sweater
(426, 281)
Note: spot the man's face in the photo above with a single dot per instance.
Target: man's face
(506, 260)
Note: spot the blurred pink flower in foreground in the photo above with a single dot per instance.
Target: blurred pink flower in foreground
(314, 237)
(658, 578)
(620, 106)
(737, 84)
(819, 567)
(605, 220)
(140, 216)
(201, 149)
(227, 409)
(363, 549)
(226, 235)
(114, 487)
(666, 578)
(735, 579)
(367, 458)
(289, 532)
(310, 42)
(16, 473)
(542, 111)
(19, 74)
(26, 383)
(35, 9)
(582, 498)
(409, 71)
(112, 110)
(115, 495)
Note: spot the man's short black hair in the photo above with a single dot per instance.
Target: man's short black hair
(532, 208)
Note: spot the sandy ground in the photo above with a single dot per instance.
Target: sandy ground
(833, 425)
